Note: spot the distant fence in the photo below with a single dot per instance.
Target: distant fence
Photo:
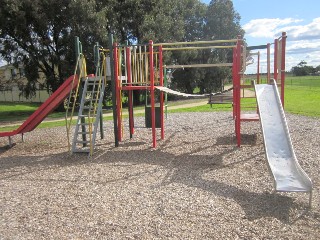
(13, 95)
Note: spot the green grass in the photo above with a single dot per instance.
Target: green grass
(16, 111)
(302, 96)
(21, 111)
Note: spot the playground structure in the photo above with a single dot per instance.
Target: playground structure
(140, 67)
(239, 67)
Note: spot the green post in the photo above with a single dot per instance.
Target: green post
(165, 94)
(113, 87)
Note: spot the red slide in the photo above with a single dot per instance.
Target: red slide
(46, 108)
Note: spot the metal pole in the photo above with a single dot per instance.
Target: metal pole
(238, 101)
(130, 102)
(165, 94)
(153, 120)
(161, 93)
(113, 88)
(275, 60)
(78, 48)
(258, 69)
(283, 65)
(268, 63)
(98, 72)
(117, 87)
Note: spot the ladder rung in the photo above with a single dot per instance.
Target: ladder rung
(94, 79)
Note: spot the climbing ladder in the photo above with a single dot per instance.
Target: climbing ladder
(89, 115)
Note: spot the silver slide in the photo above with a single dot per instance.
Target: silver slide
(287, 173)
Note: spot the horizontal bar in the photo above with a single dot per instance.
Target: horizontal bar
(200, 65)
(135, 87)
(133, 45)
(246, 86)
(194, 48)
(257, 47)
(196, 42)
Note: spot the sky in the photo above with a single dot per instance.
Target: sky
(263, 21)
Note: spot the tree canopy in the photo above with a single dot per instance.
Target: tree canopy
(40, 34)
(302, 69)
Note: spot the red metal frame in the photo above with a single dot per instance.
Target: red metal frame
(258, 69)
(236, 73)
(130, 100)
(237, 77)
(268, 62)
(275, 61)
(150, 85)
(283, 65)
(117, 85)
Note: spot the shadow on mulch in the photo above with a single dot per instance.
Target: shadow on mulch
(187, 168)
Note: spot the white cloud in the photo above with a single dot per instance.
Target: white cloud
(267, 27)
(303, 47)
(303, 39)
(309, 31)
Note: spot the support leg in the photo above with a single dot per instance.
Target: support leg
(10, 141)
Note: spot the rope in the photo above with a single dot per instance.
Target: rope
(170, 91)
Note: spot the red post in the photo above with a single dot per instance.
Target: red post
(161, 93)
(275, 67)
(283, 65)
(153, 115)
(268, 62)
(117, 84)
(130, 102)
(258, 69)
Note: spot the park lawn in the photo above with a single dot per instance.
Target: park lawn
(302, 102)
(302, 96)
(16, 111)
(21, 111)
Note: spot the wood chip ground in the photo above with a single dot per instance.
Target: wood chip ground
(195, 185)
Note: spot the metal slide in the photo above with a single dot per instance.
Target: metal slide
(287, 173)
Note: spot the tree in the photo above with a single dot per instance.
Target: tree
(302, 69)
(219, 22)
(222, 22)
(40, 35)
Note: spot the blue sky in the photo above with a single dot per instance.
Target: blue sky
(264, 21)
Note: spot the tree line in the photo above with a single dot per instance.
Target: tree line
(40, 35)
(302, 69)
